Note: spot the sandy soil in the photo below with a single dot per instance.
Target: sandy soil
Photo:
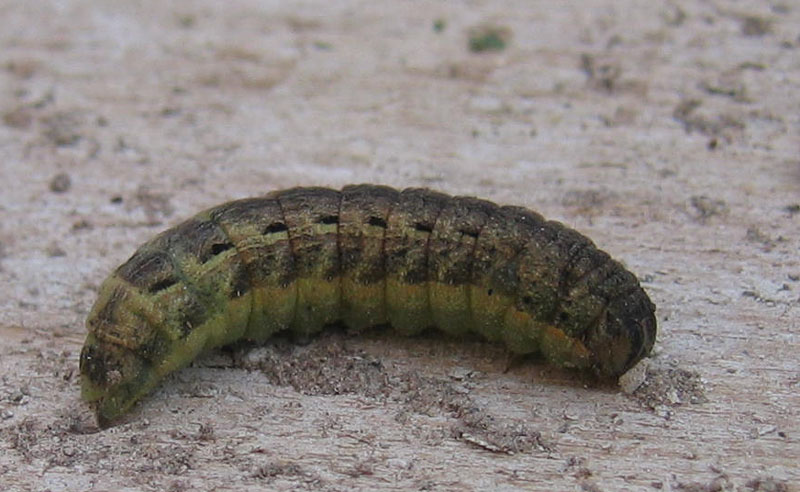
(667, 131)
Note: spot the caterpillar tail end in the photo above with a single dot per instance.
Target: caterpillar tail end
(624, 336)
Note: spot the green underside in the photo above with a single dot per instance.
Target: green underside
(307, 305)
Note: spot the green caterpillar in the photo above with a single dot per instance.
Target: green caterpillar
(302, 258)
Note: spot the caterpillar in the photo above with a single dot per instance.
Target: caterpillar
(299, 259)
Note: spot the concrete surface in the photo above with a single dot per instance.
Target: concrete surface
(667, 131)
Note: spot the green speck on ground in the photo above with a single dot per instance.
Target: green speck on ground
(488, 38)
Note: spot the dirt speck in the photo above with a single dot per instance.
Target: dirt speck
(82, 225)
(792, 209)
(60, 183)
(274, 469)
(720, 483)
(19, 118)
(728, 87)
(54, 250)
(169, 459)
(601, 75)
(755, 235)
(62, 129)
(667, 385)
(719, 125)
(766, 484)
(156, 205)
(23, 68)
(587, 202)
(705, 207)
(753, 25)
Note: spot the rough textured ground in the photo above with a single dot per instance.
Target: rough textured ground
(668, 131)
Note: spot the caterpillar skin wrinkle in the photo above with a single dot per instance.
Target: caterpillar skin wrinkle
(303, 258)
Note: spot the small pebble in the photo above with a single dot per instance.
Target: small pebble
(60, 183)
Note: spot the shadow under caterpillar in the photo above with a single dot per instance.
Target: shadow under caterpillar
(367, 255)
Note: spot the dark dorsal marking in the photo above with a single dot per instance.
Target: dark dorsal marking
(162, 284)
(276, 227)
(472, 234)
(218, 248)
(377, 222)
(329, 219)
(423, 227)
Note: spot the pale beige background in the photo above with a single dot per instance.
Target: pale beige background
(665, 130)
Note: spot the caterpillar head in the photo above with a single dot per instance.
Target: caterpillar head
(116, 360)
(112, 378)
